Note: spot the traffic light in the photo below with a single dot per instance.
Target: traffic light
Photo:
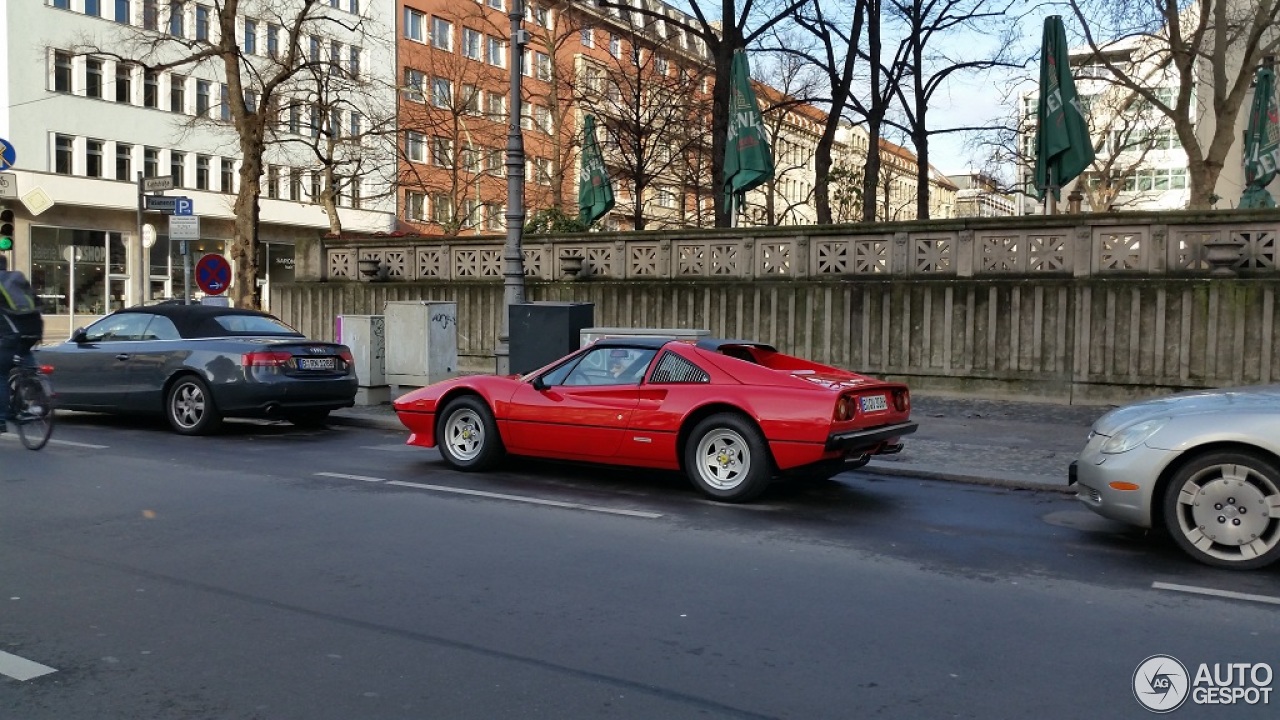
(6, 229)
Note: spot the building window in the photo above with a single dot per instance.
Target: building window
(295, 118)
(177, 9)
(356, 124)
(202, 23)
(63, 149)
(150, 162)
(497, 4)
(415, 146)
(588, 37)
(273, 41)
(177, 168)
(354, 7)
(177, 93)
(124, 161)
(615, 46)
(442, 152)
(251, 101)
(441, 34)
(273, 182)
(335, 55)
(93, 7)
(493, 161)
(354, 188)
(295, 184)
(250, 36)
(414, 203)
(441, 208)
(315, 186)
(93, 158)
(93, 78)
(314, 120)
(542, 66)
(124, 83)
(202, 172)
(228, 176)
(353, 66)
(151, 88)
(150, 15)
(62, 4)
(441, 92)
(314, 55)
(495, 51)
(470, 99)
(413, 25)
(61, 72)
(203, 91)
(225, 103)
(471, 43)
(414, 82)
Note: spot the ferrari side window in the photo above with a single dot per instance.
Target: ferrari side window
(674, 369)
(611, 366)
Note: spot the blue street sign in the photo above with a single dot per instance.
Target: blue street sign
(8, 156)
(183, 206)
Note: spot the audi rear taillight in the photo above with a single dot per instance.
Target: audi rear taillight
(46, 369)
(266, 358)
(844, 409)
(346, 356)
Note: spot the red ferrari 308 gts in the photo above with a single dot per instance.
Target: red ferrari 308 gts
(730, 414)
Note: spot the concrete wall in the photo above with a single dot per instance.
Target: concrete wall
(1082, 340)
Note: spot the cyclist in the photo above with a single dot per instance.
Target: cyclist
(21, 328)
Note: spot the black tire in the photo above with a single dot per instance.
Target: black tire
(1216, 508)
(467, 435)
(727, 458)
(312, 419)
(31, 403)
(189, 407)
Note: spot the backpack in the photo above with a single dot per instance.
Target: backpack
(19, 311)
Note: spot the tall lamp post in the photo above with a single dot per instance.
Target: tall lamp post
(512, 254)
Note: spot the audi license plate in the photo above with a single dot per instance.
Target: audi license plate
(874, 403)
(316, 363)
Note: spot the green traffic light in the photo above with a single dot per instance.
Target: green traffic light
(6, 228)
(6, 243)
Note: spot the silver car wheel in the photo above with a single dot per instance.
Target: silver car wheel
(1230, 512)
(464, 434)
(188, 405)
(724, 459)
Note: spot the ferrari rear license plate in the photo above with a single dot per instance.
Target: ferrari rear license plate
(874, 403)
(316, 364)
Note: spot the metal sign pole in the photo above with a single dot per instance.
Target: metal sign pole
(186, 273)
(141, 266)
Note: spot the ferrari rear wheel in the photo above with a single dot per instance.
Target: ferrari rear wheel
(1223, 509)
(726, 458)
(467, 435)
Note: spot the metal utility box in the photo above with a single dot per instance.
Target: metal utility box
(366, 336)
(542, 332)
(590, 335)
(422, 341)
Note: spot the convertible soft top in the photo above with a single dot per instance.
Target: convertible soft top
(200, 321)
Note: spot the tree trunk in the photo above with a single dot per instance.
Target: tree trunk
(922, 172)
(871, 172)
(244, 241)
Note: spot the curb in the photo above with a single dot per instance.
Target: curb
(1008, 481)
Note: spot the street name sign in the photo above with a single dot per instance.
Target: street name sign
(184, 227)
(156, 184)
(174, 205)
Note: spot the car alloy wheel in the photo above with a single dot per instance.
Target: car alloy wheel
(190, 407)
(467, 434)
(1224, 510)
(727, 458)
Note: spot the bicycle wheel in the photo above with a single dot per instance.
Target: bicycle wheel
(32, 407)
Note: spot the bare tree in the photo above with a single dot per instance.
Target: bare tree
(789, 88)
(930, 58)
(254, 85)
(1210, 46)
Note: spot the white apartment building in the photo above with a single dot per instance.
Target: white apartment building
(85, 126)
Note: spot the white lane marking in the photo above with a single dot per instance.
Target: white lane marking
(12, 436)
(344, 476)
(22, 669)
(1216, 593)
(530, 500)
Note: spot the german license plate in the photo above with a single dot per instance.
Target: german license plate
(874, 403)
(316, 364)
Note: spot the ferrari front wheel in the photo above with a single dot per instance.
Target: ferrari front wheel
(726, 458)
(467, 435)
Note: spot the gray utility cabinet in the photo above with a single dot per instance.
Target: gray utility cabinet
(422, 341)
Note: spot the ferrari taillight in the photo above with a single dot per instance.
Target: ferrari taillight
(901, 401)
(265, 358)
(844, 409)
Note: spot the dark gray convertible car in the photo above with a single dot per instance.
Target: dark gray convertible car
(198, 364)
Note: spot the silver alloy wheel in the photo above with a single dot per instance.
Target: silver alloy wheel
(724, 459)
(188, 405)
(1230, 512)
(464, 434)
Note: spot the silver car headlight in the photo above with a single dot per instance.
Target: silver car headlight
(1132, 436)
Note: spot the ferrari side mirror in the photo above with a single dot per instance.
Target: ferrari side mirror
(539, 384)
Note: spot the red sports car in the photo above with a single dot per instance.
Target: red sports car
(731, 414)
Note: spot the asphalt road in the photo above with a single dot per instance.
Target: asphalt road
(271, 572)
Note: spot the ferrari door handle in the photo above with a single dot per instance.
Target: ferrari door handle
(122, 356)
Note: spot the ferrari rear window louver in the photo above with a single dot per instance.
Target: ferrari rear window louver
(674, 369)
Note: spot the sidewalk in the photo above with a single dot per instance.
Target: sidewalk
(987, 442)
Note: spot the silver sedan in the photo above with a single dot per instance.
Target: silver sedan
(1204, 465)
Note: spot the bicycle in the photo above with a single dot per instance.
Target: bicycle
(31, 402)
